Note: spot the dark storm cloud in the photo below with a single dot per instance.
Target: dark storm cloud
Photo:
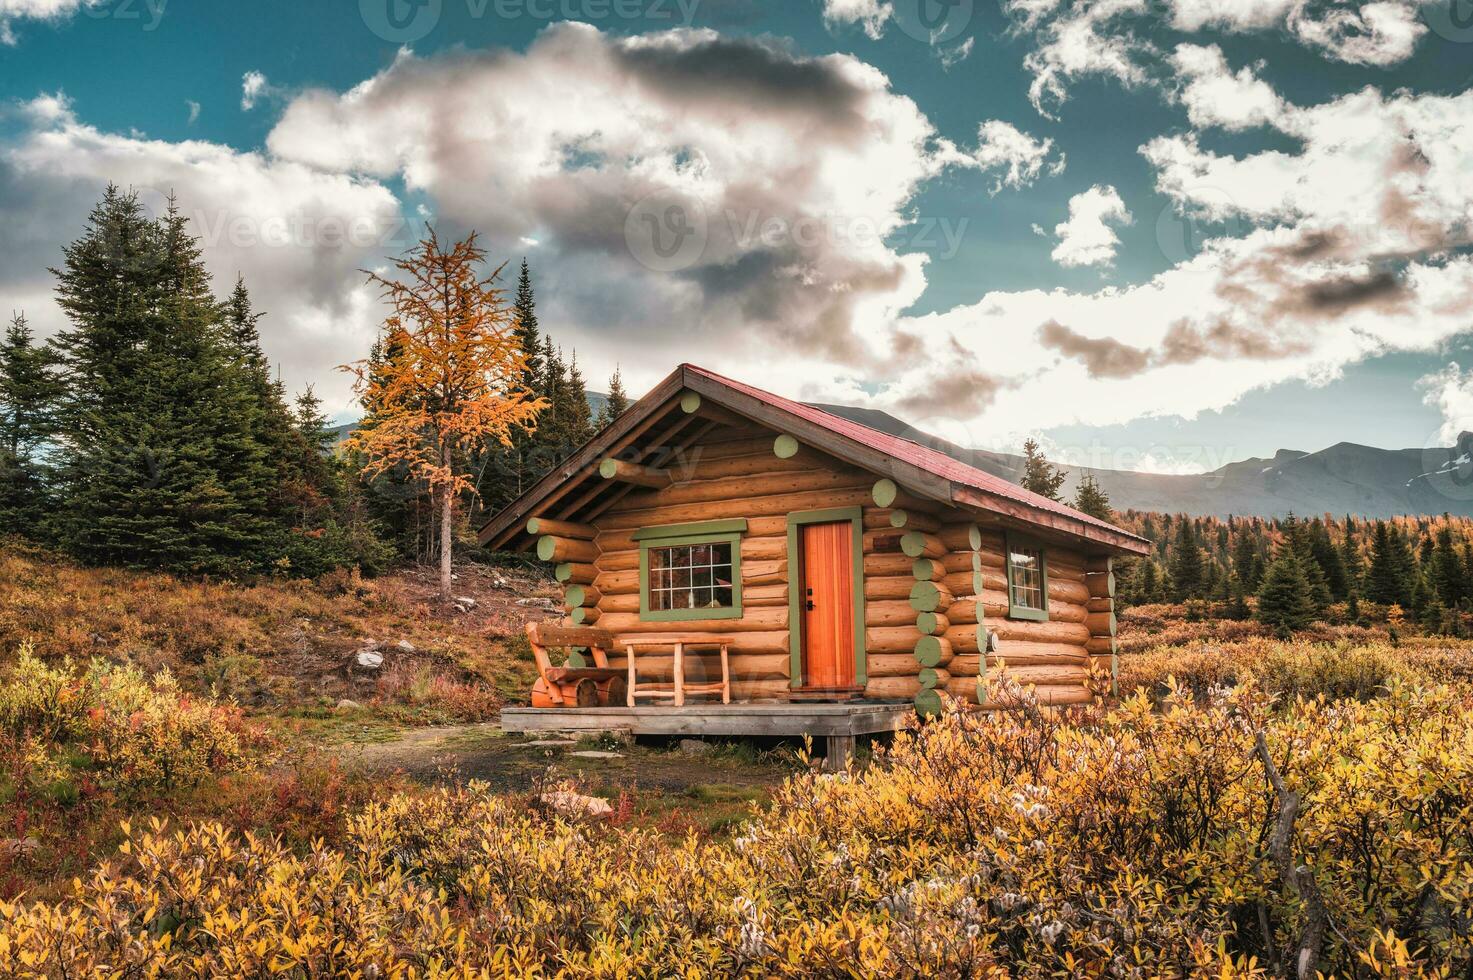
(757, 74)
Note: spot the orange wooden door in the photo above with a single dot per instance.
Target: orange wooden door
(827, 602)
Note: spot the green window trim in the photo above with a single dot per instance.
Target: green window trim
(1016, 611)
(677, 535)
(736, 525)
(796, 520)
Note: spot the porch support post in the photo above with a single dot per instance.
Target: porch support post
(838, 752)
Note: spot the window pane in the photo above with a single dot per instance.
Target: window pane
(1025, 566)
(698, 576)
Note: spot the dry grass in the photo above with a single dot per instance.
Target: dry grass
(278, 645)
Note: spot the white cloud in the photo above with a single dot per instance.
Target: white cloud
(1450, 391)
(297, 235)
(790, 171)
(1087, 238)
(193, 111)
(869, 14)
(805, 173)
(1016, 158)
(1107, 38)
(956, 54)
(1079, 42)
(253, 87)
(1215, 96)
(44, 10)
(1352, 247)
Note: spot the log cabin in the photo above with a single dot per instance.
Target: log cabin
(843, 576)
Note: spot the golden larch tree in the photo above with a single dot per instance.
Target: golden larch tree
(454, 381)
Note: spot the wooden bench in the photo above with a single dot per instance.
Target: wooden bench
(678, 688)
(573, 684)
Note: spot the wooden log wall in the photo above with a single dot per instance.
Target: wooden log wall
(1099, 575)
(906, 601)
(1052, 656)
(737, 474)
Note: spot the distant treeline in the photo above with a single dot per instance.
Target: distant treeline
(153, 432)
(1424, 565)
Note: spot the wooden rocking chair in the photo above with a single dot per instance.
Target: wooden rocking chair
(573, 686)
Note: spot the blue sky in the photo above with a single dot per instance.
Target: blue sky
(918, 191)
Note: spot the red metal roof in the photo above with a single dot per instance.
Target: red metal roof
(922, 457)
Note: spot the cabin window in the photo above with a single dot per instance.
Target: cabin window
(690, 571)
(1027, 579)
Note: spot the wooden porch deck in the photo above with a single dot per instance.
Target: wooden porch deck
(838, 724)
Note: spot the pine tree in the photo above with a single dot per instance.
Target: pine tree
(176, 449)
(1389, 579)
(1447, 571)
(1238, 600)
(1350, 558)
(1188, 573)
(151, 433)
(1039, 475)
(1284, 604)
(29, 395)
(525, 329)
(618, 401)
(580, 420)
(1247, 565)
(1325, 556)
(1091, 498)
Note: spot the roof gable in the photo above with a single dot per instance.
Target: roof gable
(919, 469)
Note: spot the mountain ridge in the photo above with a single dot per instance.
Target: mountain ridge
(1345, 478)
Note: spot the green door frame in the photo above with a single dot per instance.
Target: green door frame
(796, 520)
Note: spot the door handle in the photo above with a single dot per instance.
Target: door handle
(808, 605)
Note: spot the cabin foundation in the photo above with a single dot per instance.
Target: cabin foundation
(837, 724)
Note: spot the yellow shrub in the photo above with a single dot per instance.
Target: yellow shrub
(143, 732)
(1127, 843)
(49, 703)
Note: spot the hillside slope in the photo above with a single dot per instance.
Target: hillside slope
(1344, 479)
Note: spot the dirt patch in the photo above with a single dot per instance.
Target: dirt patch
(710, 792)
(515, 763)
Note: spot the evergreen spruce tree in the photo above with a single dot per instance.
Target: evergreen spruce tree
(1091, 498)
(1328, 559)
(509, 470)
(1350, 557)
(175, 448)
(618, 402)
(1389, 579)
(580, 424)
(1237, 600)
(29, 395)
(1188, 572)
(1247, 566)
(1039, 475)
(1447, 571)
(1298, 538)
(137, 464)
(525, 329)
(1284, 604)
